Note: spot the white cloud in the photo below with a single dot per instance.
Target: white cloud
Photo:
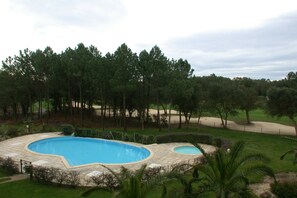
(141, 24)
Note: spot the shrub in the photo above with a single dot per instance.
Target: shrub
(67, 129)
(184, 137)
(12, 132)
(9, 166)
(48, 128)
(105, 180)
(151, 139)
(284, 190)
(107, 135)
(72, 179)
(222, 143)
(43, 174)
(149, 173)
(60, 176)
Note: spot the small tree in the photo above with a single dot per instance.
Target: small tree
(283, 102)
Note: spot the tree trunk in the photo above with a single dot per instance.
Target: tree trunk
(295, 124)
(225, 126)
(158, 111)
(180, 120)
(147, 105)
(70, 103)
(247, 113)
(169, 118)
(124, 110)
(48, 104)
(81, 104)
(142, 119)
(101, 109)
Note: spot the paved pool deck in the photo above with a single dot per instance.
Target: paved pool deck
(161, 155)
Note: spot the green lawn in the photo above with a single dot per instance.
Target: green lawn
(260, 115)
(27, 188)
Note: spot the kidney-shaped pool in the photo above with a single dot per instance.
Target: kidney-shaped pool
(81, 151)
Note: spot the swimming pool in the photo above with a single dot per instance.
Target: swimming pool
(187, 150)
(80, 151)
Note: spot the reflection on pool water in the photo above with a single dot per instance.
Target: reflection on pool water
(81, 151)
(187, 150)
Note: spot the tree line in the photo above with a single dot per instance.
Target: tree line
(122, 82)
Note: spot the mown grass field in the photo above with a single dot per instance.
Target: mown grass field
(260, 115)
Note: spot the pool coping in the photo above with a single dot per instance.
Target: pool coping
(90, 164)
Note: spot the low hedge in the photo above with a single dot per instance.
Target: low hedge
(184, 137)
(145, 139)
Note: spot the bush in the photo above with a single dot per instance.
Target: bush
(105, 180)
(67, 129)
(55, 175)
(184, 137)
(60, 177)
(12, 132)
(9, 166)
(72, 179)
(284, 190)
(43, 174)
(222, 143)
(8, 131)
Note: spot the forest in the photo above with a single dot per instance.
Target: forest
(38, 84)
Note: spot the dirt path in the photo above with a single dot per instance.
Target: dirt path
(256, 126)
(15, 178)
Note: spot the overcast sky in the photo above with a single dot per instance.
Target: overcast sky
(232, 38)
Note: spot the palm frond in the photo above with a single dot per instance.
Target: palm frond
(259, 169)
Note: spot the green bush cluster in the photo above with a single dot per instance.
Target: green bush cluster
(114, 135)
(284, 190)
(9, 166)
(8, 131)
(67, 129)
(184, 137)
(145, 139)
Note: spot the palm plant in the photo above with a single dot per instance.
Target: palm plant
(292, 151)
(133, 184)
(226, 174)
(187, 180)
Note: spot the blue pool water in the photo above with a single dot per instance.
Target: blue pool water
(187, 150)
(80, 151)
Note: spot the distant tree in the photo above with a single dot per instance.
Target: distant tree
(292, 76)
(145, 73)
(248, 96)
(125, 75)
(182, 89)
(160, 76)
(283, 102)
(222, 97)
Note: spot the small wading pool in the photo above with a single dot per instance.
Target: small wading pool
(80, 151)
(187, 150)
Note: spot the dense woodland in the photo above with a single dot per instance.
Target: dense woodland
(38, 84)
